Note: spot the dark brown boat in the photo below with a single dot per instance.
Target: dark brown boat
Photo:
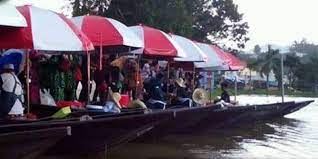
(106, 131)
(30, 144)
(231, 115)
(187, 119)
(96, 134)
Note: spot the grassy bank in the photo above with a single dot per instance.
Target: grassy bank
(218, 92)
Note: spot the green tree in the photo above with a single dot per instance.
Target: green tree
(292, 63)
(92, 7)
(252, 65)
(306, 74)
(257, 49)
(201, 20)
(304, 47)
(269, 62)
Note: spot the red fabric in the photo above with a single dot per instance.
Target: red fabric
(78, 74)
(124, 100)
(65, 65)
(62, 104)
(20, 38)
(233, 62)
(236, 64)
(84, 39)
(103, 87)
(157, 44)
(100, 31)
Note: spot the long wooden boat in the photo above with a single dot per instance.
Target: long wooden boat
(96, 134)
(231, 115)
(187, 119)
(30, 144)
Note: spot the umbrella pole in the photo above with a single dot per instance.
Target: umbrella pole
(193, 78)
(100, 57)
(88, 76)
(211, 87)
(28, 81)
(282, 76)
(137, 78)
(168, 71)
(235, 85)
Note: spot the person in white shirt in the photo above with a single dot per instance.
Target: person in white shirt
(11, 92)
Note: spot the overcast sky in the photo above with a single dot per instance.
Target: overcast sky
(271, 21)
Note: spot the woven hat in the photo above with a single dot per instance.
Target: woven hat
(180, 82)
(137, 104)
(116, 98)
(119, 62)
(200, 96)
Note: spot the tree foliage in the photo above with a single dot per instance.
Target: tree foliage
(257, 49)
(269, 62)
(304, 47)
(201, 20)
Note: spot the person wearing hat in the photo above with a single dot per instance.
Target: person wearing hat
(112, 104)
(181, 97)
(11, 105)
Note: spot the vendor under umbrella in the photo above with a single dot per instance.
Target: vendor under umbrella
(10, 94)
(181, 97)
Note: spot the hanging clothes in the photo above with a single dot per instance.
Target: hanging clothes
(57, 79)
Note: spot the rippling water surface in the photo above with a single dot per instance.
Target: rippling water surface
(295, 136)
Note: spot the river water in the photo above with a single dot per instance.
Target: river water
(294, 136)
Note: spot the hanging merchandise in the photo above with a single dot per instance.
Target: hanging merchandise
(46, 98)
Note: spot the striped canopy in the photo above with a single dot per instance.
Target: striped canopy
(10, 16)
(231, 61)
(157, 43)
(192, 51)
(214, 62)
(46, 30)
(107, 32)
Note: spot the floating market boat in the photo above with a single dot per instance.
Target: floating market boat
(95, 133)
(30, 144)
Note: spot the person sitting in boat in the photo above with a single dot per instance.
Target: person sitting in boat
(112, 104)
(180, 96)
(10, 94)
(225, 97)
(156, 93)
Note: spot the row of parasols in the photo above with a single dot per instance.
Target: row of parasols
(29, 27)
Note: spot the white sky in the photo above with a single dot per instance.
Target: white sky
(271, 21)
(280, 21)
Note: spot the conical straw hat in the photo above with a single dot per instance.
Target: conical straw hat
(180, 82)
(200, 96)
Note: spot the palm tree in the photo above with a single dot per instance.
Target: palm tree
(252, 65)
(269, 62)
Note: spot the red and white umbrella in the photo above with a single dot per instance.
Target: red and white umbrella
(107, 32)
(157, 43)
(233, 62)
(10, 16)
(46, 30)
(193, 52)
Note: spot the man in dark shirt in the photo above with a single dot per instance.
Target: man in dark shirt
(225, 97)
(156, 94)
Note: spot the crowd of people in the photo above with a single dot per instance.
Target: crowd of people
(64, 79)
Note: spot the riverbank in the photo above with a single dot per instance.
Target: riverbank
(288, 92)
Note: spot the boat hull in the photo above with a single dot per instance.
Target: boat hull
(98, 134)
(29, 144)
